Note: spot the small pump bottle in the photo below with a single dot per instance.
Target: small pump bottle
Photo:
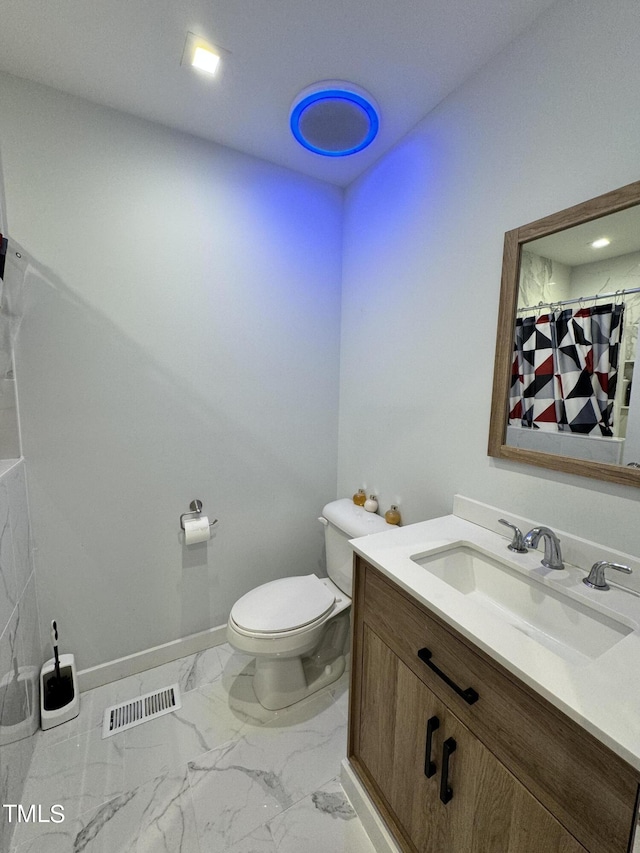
(371, 504)
(392, 516)
(359, 498)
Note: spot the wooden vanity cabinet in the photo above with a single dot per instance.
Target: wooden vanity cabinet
(521, 777)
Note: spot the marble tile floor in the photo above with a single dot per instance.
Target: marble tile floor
(221, 775)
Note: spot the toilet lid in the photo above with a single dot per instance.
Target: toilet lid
(283, 605)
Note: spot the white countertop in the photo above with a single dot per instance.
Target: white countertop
(601, 694)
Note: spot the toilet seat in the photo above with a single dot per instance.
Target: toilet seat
(285, 606)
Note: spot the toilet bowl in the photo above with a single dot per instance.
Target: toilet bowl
(299, 649)
(297, 628)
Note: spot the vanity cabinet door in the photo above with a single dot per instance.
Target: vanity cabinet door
(447, 792)
(393, 720)
(396, 721)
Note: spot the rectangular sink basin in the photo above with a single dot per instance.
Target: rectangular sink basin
(567, 627)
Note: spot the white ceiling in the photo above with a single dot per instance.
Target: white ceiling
(573, 245)
(408, 54)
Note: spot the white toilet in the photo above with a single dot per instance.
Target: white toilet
(297, 627)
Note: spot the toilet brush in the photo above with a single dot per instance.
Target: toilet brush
(59, 694)
(54, 643)
(59, 689)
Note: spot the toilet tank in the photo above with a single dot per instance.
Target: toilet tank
(346, 521)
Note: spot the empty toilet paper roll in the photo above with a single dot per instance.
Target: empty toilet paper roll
(197, 530)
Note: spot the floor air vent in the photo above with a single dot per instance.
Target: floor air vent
(126, 715)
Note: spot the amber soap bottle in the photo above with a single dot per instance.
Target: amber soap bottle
(360, 497)
(392, 516)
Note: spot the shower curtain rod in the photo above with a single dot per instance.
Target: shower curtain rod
(580, 299)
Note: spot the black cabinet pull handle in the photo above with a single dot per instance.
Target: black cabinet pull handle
(448, 747)
(433, 723)
(469, 695)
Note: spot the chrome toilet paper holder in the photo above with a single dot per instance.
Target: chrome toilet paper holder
(195, 508)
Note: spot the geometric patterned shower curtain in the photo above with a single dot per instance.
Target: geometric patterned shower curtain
(565, 370)
(532, 397)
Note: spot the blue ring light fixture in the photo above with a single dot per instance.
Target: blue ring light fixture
(333, 119)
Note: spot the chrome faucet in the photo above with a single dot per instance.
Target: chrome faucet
(516, 543)
(552, 554)
(597, 579)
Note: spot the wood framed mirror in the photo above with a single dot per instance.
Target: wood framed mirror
(574, 260)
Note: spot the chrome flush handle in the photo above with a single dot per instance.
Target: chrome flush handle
(517, 544)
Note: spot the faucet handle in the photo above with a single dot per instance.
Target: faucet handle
(597, 579)
(517, 544)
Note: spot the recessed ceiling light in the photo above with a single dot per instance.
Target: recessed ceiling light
(201, 54)
(600, 244)
(206, 60)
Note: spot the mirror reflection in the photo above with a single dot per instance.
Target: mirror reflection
(572, 389)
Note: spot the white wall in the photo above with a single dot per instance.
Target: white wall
(552, 121)
(180, 337)
(180, 340)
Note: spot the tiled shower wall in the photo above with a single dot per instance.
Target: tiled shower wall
(17, 584)
(10, 316)
(20, 649)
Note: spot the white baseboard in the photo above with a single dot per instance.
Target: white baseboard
(96, 676)
(369, 815)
